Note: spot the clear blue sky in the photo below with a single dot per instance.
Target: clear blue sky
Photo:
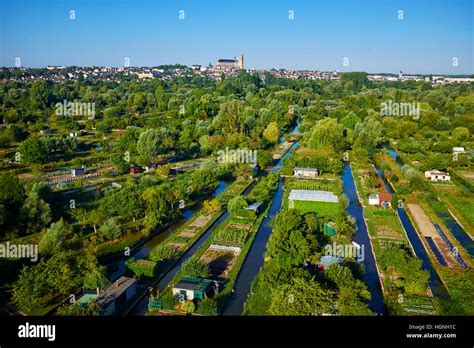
(321, 34)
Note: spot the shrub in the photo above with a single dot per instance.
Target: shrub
(188, 306)
(193, 267)
(142, 267)
(110, 229)
(169, 301)
(162, 252)
(208, 306)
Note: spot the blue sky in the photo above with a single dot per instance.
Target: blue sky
(321, 35)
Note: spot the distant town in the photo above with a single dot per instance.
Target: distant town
(222, 68)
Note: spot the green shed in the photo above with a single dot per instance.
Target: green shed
(191, 288)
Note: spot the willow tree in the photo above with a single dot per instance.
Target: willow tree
(327, 133)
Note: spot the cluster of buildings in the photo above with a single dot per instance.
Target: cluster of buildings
(302, 74)
(434, 80)
(228, 67)
(59, 74)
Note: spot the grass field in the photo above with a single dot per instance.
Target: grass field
(464, 205)
(329, 210)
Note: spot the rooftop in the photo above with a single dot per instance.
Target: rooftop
(254, 206)
(188, 283)
(114, 290)
(304, 168)
(438, 172)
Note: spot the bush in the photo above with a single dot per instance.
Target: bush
(169, 301)
(245, 213)
(236, 203)
(194, 267)
(231, 236)
(110, 229)
(142, 267)
(188, 307)
(162, 252)
(208, 307)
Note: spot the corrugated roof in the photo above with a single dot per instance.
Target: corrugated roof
(114, 290)
(188, 283)
(313, 195)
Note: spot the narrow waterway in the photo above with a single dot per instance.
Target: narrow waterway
(280, 162)
(435, 283)
(456, 230)
(370, 275)
(254, 260)
(142, 307)
(147, 247)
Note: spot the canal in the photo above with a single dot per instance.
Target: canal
(141, 252)
(456, 230)
(437, 287)
(142, 306)
(254, 260)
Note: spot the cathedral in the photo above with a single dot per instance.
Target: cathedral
(230, 64)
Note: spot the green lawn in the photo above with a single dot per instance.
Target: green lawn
(329, 210)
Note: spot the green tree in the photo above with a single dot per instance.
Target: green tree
(207, 307)
(54, 239)
(300, 297)
(35, 213)
(236, 203)
(272, 133)
(369, 133)
(148, 145)
(460, 133)
(93, 217)
(12, 195)
(290, 244)
(194, 267)
(188, 307)
(326, 133)
(27, 290)
(96, 278)
(110, 229)
(33, 150)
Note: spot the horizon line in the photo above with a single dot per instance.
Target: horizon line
(245, 69)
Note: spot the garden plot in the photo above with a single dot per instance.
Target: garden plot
(427, 229)
(175, 245)
(220, 261)
(195, 226)
(235, 233)
(188, 233)
(233, 190)
(201, 221)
